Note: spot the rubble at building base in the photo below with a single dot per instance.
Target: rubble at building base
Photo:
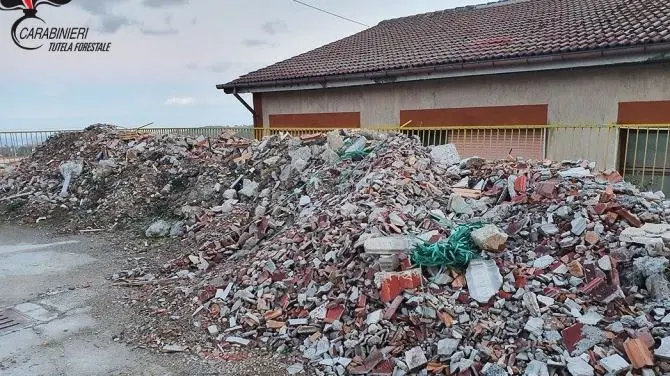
(307, 247)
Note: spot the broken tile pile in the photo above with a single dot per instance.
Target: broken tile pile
(303, 246)
(570, 278)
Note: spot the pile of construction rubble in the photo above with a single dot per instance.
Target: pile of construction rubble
(365, 253)
(104, 177)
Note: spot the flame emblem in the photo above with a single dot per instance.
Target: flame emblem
(29, 8)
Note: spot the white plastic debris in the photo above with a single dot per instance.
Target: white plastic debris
(69, 171)
(484, 279)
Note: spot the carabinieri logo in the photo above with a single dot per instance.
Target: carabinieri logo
(27, 32)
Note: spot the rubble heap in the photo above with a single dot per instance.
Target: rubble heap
(564, 270)
(104, 177)
(367, 253)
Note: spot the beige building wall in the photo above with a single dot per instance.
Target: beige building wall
(575, 97)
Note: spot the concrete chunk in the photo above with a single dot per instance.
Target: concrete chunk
(388, 244)
(158, 229)
(249, 188)
(656, 228)
(578, 225)
(537, 368)
(579, 367)
(445, 155)
(605, 263)
(530, 302)
(615, 364)
(296, 322)
(663, 351)
(238, 340)
(629, 233)
(374, 317)
(447, 346)
(549, 229)
(213, 330)
(489, 238)
(534, 325)
(415, 358)
(590, 318)
(543, 262)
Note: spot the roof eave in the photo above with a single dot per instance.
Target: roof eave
(610, 56)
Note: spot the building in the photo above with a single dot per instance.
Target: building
(505, 64)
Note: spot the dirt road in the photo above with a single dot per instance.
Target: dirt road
(63, 311)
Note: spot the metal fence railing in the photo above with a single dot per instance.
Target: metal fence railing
(245, 132)
(15, 146)
(643, 156)
(639, 152)
(594, 143)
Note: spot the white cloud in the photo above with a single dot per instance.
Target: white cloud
(180, 101)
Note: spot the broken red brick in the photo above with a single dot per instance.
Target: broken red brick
(362, 301)
(436, 367)
(459, 282)
(546, 189)
(645, 336)
(572, 335)
(592, 285)
(272, 324)
(520, 184)
(505, 295)
(334, 313)
(521, 281)
(608, 195)
(552, 292)
(405, 262)
(631, 218)
(307, 138)
(600, 208)
(575, 269)
(271, 315)
(284, 301)
(599, 288)
(278, 276)
(446, 318)
(613, 177)
(385, 368)
(263, 225)
(591, 237)
(369, 363)
(394, 283)
(611, 218)
(390, 311)
(520, 199)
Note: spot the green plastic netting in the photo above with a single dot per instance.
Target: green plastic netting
(357, 154)
(455, 252)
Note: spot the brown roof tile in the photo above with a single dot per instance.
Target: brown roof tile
(638, 353)
(503, 30)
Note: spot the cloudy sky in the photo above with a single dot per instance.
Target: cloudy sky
(167, 56)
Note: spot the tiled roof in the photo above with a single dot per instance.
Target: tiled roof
(504, 30)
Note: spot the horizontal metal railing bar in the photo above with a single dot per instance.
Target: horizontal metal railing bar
(638, 126)
(55, 131)
(393, 127)
(649, 170)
